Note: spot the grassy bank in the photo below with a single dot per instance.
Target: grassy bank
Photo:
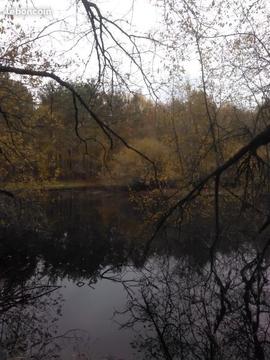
(65, 185)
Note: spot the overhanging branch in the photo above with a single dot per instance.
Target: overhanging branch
(109, 132)
(262, 139)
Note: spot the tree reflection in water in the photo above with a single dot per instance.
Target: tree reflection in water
(29, 310)
(29, 314)
(184, 302)
(218, 312)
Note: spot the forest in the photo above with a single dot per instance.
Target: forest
(41, 142)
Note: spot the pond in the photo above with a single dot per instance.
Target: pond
(76, 284)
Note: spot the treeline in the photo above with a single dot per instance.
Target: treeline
(45, 137)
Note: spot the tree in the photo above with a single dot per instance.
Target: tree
(133, 169)
(16, 111)
(229, 40)
(25, 58)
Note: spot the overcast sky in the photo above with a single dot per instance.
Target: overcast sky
(139, 15)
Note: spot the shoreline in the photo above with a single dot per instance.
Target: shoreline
(55, 186)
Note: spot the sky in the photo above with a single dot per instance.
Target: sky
(139, 16)
(136, 16)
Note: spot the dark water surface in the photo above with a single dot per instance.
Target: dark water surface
(80, 236)
(75, 285)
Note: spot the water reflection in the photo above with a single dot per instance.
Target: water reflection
(29, 311)
(221, 312)
(83, 252)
